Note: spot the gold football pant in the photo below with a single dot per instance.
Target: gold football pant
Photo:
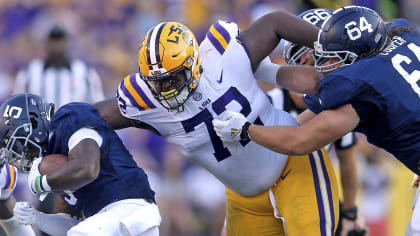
(304, 202)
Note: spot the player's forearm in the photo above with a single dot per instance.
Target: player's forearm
(82, 168)
(300, 79)
(265, 34)
(109, 110)
(6, 207)
(348, 172)
(55, 224)
(70, 177)
(283, 139)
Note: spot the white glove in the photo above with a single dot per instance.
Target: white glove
(37, 182)
(26, 214)
(230, 127)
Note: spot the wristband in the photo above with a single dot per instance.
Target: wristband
(244, 133)
(41, 184)
(350, 213)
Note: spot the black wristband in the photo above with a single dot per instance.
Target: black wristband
(244, 133)
(350, 213)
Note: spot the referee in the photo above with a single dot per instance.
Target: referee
(57, 77)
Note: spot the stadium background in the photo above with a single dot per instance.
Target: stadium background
(107, 33)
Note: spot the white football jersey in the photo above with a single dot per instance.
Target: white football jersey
(227, 83)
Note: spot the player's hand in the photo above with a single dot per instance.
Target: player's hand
(358, 226)
(37, 182)
(25, 213)
(230, 127)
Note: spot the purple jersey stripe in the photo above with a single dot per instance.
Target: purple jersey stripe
(128, 95)
(222, 31)
(140, 91)
(8, 177)
(318, 196)
(215, 42)
(327, 181)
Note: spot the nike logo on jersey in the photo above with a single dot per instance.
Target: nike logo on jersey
(221, 78)
(284, 176)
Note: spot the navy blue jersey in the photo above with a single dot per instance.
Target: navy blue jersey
(119, 176)
(384, 90)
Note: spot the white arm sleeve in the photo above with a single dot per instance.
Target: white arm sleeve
(56, 224)
(84, 133)
(267, 71)
(12, 228)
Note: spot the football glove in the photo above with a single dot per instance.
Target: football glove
(229, 128)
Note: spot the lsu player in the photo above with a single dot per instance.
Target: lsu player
(100, 178)
(370, 84)
(182, 87)
(8, 180)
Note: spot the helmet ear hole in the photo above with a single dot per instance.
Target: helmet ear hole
(34, 118)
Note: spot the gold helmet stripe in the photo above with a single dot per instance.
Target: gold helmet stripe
(153, 46)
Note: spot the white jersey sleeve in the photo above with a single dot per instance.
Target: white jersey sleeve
(8, 179)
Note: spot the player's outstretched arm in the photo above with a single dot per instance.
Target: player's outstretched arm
(324, 128)
(265, 34)
(109, 110)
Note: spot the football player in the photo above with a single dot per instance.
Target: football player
(345, 146)
(370, 84)
(100, 178)
(182, 87)
(8, 180)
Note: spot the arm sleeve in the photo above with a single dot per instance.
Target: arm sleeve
(12, 228)
(82, 134)
(56, 224)
(267, 71)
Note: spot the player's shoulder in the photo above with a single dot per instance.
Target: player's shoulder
(220, 35)
(400, 22)
(135, 97)
(73, 116)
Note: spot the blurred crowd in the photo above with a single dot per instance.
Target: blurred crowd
(106, 34)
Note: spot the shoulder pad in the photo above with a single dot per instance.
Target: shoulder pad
(221, 33)
(133, 93)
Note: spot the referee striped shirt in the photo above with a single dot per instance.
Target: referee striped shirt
(76, 82)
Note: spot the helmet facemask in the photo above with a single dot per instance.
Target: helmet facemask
(20, 150)
(344, 58)
(293, 53)
(24, 135)
(177, 95)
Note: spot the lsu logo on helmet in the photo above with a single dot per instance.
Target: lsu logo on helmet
(167, 49)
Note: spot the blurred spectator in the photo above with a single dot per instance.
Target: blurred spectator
(57, 77)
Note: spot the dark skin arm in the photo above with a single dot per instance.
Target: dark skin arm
(109, 110)
(299, 79)
(6, 208)
(324, 128)
(265, 34)
(81, 169)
